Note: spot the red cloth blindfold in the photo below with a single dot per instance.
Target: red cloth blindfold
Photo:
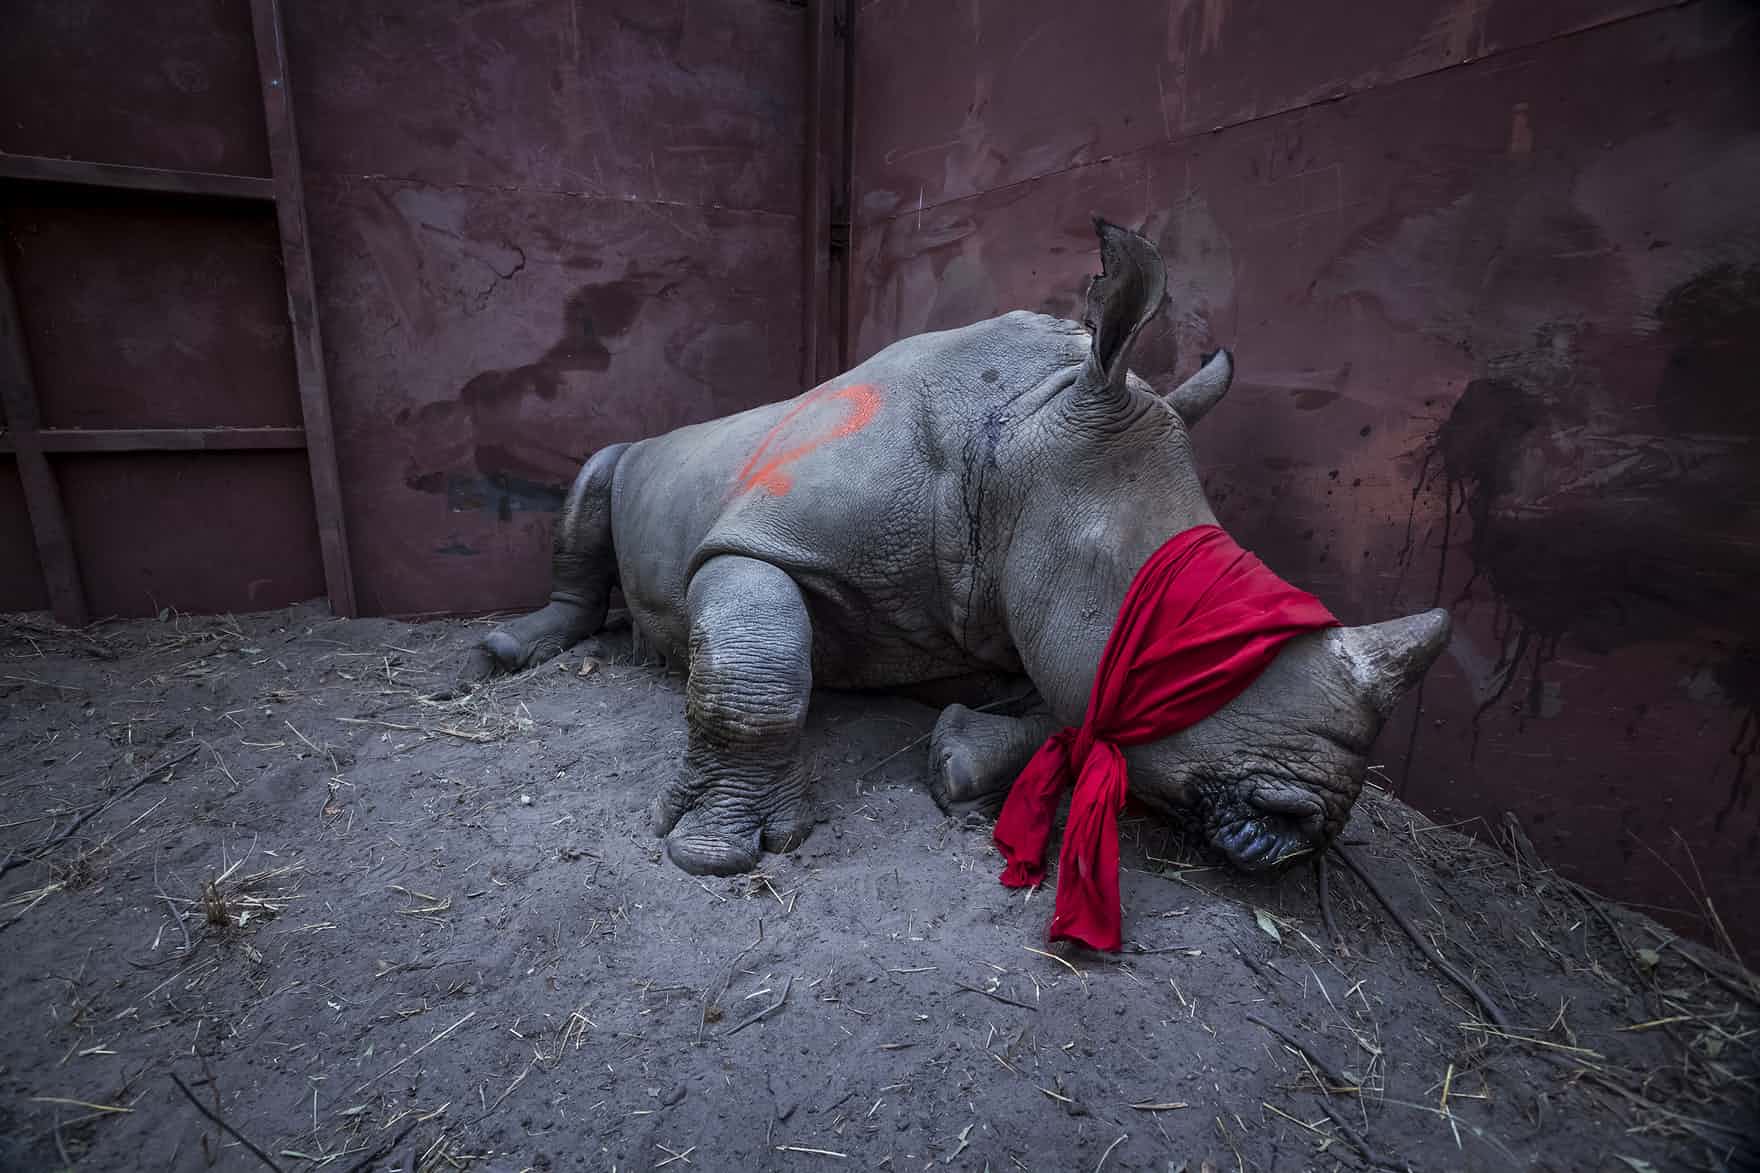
(1201, 620)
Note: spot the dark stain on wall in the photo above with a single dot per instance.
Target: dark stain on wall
(499, 493)
(510, 470)
(1712, 323)
(1617, 525)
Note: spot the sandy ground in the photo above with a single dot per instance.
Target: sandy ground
(369, 931)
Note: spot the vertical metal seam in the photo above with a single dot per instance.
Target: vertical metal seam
(813, 237)
(847, 169)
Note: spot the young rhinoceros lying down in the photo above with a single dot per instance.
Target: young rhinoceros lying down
(966, 503)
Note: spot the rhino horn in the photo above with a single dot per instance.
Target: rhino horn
(1387, 659)
(1194, 398)
(1121, 301)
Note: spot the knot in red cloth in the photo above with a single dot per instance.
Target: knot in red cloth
(1201, 620)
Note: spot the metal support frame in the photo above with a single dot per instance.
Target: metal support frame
(157, 439)
(30, 444)
(42, 494)
(115, 175)
(302, 304)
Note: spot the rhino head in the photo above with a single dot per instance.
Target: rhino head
(1275, 772)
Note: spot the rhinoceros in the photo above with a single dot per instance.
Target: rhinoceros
(965, 505)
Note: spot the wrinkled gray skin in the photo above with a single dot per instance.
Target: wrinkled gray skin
(986, 522)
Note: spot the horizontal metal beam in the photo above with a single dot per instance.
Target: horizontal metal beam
(196, 183)
(152, 439)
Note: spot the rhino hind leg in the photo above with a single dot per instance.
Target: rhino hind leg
(742, 790)
(583, 569)
(975, 757)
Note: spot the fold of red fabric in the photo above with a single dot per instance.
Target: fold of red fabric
(1201, 620)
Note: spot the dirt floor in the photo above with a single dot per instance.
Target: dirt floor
(366, 930)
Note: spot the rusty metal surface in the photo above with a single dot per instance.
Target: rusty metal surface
(166, 84)
(226, 531)
(144, 310)
(1495, 330)
(965, 97)
(21, 578)
(538, 228)
(658, 101)
(483, 345)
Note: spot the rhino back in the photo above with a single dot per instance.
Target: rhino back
(868, 490)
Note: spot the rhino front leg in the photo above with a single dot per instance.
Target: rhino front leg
(583, 569)
(975, 757)
(743, 788)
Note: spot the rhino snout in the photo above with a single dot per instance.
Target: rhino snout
(1268, 828)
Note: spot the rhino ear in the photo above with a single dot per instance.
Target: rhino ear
(1387, 659)
(1121, 301)
(1194, 398)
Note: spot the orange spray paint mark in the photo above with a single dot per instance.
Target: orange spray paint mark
(764, 473)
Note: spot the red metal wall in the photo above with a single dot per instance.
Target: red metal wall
(538, 227)
(149, 311)
(1492, 274)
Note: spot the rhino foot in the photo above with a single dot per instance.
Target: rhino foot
(724, 829)
(529, 640)
(975, 757)
(743, 788)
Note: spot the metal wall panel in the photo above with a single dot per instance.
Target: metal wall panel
(539, 228)
(656, 101)
(150, 311)
(484, 344)
(171, 83)
(21, 579)
(964, 97)
(149, 528)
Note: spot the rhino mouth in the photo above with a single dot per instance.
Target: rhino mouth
(1267, 829)
(1260, 844)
